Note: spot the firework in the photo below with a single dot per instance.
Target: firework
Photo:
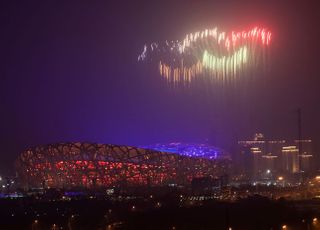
(208, 53)
(226, 64)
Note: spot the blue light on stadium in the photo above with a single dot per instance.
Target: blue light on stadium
(190, 150)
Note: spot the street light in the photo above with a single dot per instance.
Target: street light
(34, 224)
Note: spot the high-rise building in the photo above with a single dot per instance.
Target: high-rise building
(252, 151)
(290, 160)
(274, 150)
(305, 155)
(269, 163)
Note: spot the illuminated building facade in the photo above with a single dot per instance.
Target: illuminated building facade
(290, 159)
(270, 162)
(89, 165)
(251, 152)
(305, 155)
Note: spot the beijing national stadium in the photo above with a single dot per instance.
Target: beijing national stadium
(67, 165)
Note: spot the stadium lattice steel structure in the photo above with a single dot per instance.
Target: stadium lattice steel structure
(68, 165)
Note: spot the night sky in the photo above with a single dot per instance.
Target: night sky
(69, 72)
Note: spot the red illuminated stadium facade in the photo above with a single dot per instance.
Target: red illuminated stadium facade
(68, 165)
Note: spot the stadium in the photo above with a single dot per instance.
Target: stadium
(88, 165)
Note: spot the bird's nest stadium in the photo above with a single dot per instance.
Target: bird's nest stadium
(68, 165)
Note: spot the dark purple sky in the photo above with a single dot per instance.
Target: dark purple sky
(69, 72)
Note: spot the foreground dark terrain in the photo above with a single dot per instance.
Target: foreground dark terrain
(166, 212)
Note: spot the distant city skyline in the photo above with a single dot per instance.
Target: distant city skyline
(259, 156)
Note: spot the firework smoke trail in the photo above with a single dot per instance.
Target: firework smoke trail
(207, 53)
